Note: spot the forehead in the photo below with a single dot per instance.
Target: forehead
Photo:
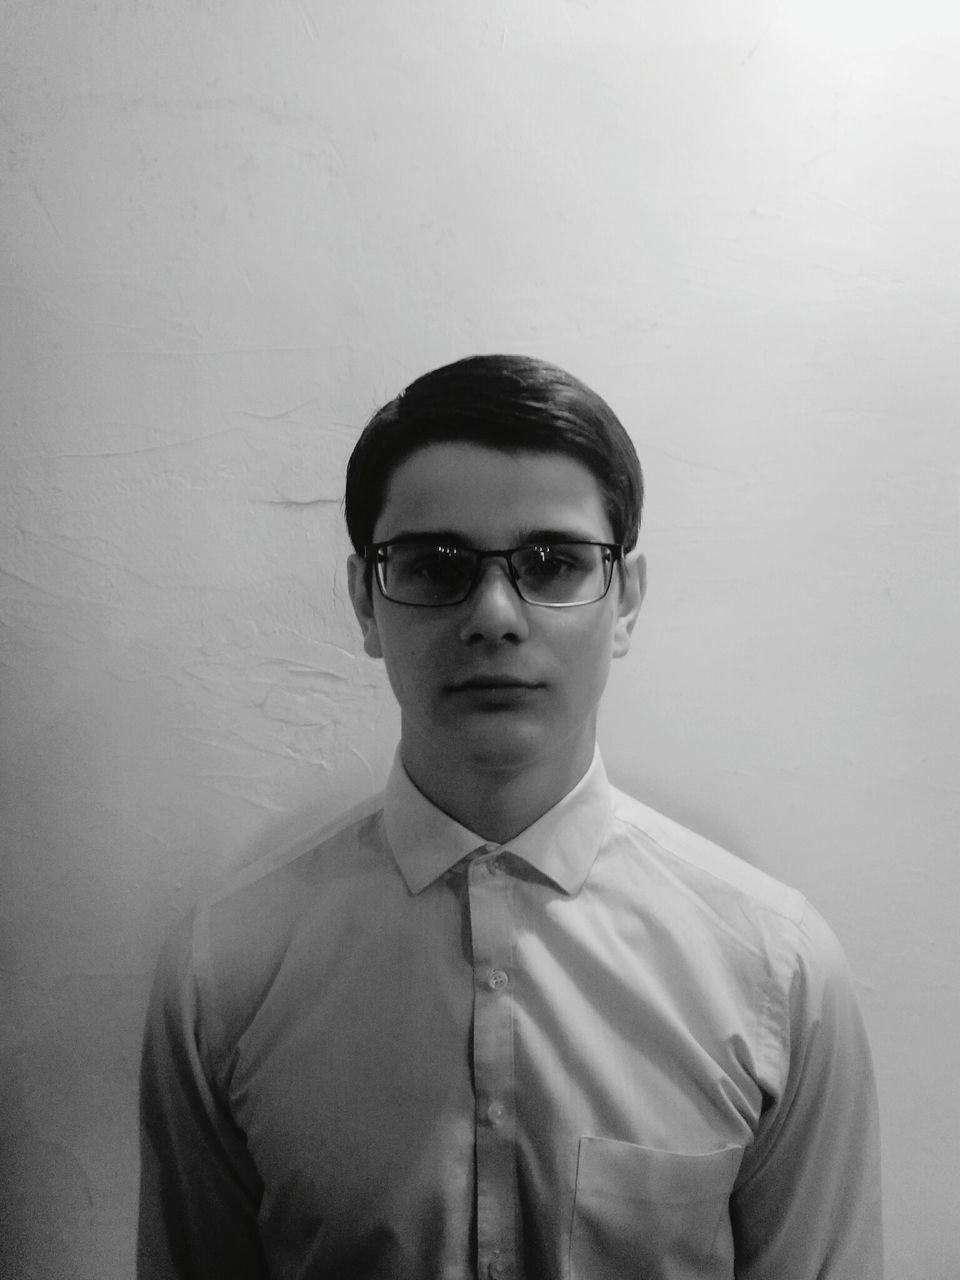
(492, 498)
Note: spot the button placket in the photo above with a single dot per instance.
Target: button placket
(490, 896)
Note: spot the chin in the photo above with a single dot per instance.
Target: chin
(557, 748)
(499, 747)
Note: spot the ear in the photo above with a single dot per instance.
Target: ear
(633, 586)
(360, 582)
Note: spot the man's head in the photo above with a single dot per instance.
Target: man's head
(498, 499)
(510, 403)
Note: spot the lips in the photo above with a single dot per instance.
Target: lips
(493, 684)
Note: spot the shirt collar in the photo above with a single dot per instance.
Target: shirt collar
(562, 844)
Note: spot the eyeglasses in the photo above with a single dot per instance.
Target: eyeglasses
(557, 575)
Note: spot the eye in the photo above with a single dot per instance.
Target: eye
(431, 563)
(551, 562)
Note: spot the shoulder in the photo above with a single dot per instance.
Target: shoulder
(714, 875)
(221, 960)
(702, 866)
(307, 857)
(266, 899)
(749, 933)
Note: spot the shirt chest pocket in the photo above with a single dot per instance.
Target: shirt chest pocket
(651, 1215)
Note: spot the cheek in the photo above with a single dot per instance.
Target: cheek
(407, 657)
(586, 654)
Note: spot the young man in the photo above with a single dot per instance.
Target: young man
(506, 1021)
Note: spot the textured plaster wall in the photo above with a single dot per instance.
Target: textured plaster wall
(227, 232)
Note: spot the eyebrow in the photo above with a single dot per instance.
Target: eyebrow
(524, 537)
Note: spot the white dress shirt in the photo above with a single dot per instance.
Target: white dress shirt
(607, 1048)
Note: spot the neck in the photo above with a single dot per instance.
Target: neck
(496, 803)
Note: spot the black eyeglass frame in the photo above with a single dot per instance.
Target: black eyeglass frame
(374, 555)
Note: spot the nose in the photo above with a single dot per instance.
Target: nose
(494, 610)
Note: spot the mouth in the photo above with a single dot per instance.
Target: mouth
(493, 684)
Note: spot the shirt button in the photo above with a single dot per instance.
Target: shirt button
(497, 980)
(495, 1112)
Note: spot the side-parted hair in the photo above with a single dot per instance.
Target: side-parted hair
(513, 403)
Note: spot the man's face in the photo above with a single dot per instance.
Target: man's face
(494, 683)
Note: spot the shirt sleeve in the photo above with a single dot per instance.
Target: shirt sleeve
(199, 1190)
(807, 1202)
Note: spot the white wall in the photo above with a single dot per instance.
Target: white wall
(228, 231)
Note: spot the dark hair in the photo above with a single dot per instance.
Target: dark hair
(513, 403)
